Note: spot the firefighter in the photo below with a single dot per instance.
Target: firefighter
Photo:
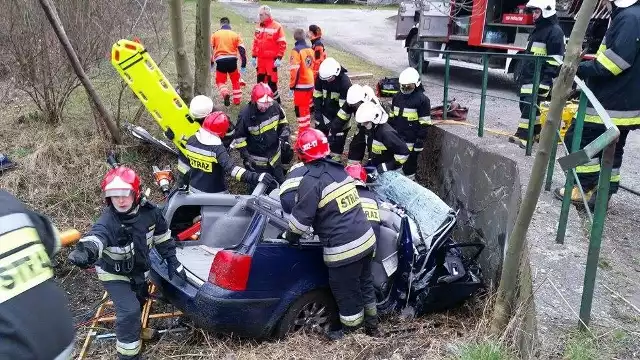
(387, 151)
(227, 45)
(262, 133)
(356, 95)
(329, 95)
(328, 201)
(319, 54)
(200, 107)
(269, 46)
(411, 117)
(546, 39)
(367, 197)
(118, 244)
(35, 321)
(614, 78)
(301, 81)
(207, 160)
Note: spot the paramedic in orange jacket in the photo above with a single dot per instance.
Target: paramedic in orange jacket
(269, 46)
(301, 80)
(226, 45)
(315, 34)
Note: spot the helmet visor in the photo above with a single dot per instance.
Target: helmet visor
(328, 79)
(407, 88)
(117, 192)
(264, 104)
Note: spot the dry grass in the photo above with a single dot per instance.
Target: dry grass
(59, 172)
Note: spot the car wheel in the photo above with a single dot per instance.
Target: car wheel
(415, 56)
(315, 311)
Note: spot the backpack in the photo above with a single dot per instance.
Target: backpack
(388, 87)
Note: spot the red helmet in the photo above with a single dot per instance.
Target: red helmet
(311, 145)
(357, 172)
(121, 181)
(216, 123)
(262, 96)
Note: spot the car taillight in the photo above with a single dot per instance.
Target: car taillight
(230, 270)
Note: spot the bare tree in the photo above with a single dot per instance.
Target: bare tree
(202, 82)
(507, 291)
(52, 16)
(184, 86)
(35, 57)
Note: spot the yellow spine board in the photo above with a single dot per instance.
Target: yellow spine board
(142, 74)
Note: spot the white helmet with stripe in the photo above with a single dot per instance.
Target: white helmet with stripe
(370, 112)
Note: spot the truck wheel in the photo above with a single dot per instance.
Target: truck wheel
(314, 311)
(415, 56)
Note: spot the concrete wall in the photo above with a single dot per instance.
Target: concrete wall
(482, 185)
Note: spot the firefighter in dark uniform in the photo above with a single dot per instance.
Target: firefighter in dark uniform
(614, 78)
(368, 199)
(328, 201)
(546, 39)
(206, 160)
(118, 244)
(387, 151)
(411, 117)
(340, 126)
(262, 133)
(35, 322)
(329, 95)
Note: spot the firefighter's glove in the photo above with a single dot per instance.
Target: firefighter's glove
(277, 63)
(291, 93)
(84, 255)
(254, 63)
(175, 267)
(292, 238)
(268, 180)
(243, 70)
(249, 165)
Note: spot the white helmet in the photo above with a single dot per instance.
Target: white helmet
(548, 7)
(409, 76)
(328, 68)
(200, 107)
(369, 94)
(623, 3)
(355, 94)
(370, 112)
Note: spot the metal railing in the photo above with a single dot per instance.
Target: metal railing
(606, 143)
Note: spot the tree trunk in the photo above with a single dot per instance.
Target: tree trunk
(184, 86)
(507, 291)
(52, 16)
(202, 49)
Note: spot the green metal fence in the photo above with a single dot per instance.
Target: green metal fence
(574, 157)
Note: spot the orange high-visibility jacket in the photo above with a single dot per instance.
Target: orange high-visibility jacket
(301, 67)
(269, 41)
(319, 54)
(226, 43)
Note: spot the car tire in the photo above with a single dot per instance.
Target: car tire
(305, 312)
(415, 56)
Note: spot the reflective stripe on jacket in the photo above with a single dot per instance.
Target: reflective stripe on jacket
(386, 147)
(546, 39)
(260, 133)
(411, 115)
(328, 202)
(227, 43)
(269, 41)
(328, 97)
(300, 67)
(614, 76)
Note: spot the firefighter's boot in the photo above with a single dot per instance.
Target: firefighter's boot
(576, 198)
(592, 201)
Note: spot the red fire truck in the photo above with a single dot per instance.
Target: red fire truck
(482, 26)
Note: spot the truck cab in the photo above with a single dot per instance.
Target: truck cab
(472, 26)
